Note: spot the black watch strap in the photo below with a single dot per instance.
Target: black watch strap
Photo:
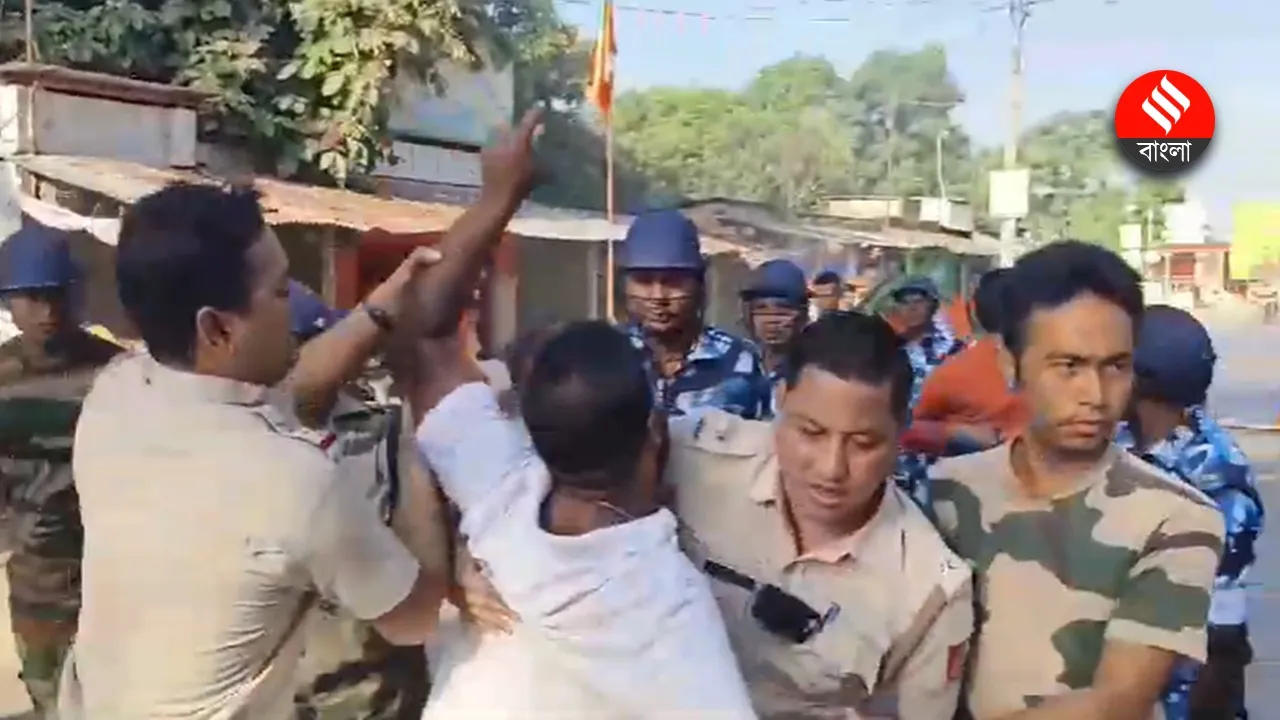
(379, 316)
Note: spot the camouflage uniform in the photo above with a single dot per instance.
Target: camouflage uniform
(926, 353)
(1203, 454)
(1128, 554)
(720, 371)
(39, 405)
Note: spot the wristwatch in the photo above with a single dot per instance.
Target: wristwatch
(379, 316)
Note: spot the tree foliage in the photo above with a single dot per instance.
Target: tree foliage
(305, 83)
(800, 131)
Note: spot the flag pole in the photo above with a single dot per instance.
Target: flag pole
(611, 271)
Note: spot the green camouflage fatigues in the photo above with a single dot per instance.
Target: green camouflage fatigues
(349, 672)
(39, 406)
(1128, 554)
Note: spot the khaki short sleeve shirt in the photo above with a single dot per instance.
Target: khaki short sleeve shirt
(210, 517)
(897, 603)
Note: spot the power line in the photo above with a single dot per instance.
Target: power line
(757, 13)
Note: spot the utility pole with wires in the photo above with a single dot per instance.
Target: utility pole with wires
(1019, 11)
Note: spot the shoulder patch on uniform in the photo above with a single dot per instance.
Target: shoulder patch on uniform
(280, 423)
(956, 656)
(723, 433)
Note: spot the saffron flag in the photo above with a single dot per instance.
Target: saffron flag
(600, 81)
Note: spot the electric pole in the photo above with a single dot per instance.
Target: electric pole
(1019, 11)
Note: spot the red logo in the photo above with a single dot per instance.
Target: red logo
(1164, 121)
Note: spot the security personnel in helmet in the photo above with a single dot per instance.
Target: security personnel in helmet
(45, 373)
(308, 314)
(774, 305)
(1169, 427)
(691, 365)
(930, 339)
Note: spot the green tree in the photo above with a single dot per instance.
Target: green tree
(799, 131)
(304, 83)
(899, 107)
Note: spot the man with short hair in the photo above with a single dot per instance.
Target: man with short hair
(1169, 427)
(1094, 568)
(828, 291)
(691, 364)
(561, 511)
(214, 521)
(840, 597)
(967, 404)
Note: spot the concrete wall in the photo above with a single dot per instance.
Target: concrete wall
(555, 281)
(56, 124)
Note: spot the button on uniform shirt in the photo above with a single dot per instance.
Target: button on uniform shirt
(614, 623)
(720, 371)
(898, 603)
(1202, 453)
(210, 516)
(1127, 554)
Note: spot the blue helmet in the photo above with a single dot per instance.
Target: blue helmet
(661, 240)
(1174, 356)
(918, 284)
(36, 257)
(308, 314)
(777, 279)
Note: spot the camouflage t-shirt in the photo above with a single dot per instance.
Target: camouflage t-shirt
(1127, 554)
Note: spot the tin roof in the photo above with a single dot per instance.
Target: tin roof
(100, 85)
(284, 203)
(287, 203)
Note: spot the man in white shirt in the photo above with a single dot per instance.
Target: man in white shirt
(563, 516)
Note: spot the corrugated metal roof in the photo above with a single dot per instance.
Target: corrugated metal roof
(283, 202)
(288, 203)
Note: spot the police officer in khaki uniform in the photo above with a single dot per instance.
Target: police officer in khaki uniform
(214, 520)
(840, 598)
(347, 669)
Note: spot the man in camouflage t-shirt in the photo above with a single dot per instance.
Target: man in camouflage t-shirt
(1094, 569)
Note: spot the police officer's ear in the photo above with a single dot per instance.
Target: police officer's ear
(214, 328)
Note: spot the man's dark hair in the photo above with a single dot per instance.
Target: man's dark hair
(182, 248)
(519, 354)
(853, 346)
(587, 404)
(988, 300)
(1056, 274)
(827, 277)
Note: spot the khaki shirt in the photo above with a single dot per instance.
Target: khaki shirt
(209, 518)
(899, 603)
(1126, 554)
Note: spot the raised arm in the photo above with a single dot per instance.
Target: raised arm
(427, 371)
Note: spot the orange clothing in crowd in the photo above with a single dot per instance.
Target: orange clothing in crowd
(969, 389)
(957, 315)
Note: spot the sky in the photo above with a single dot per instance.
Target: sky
(1079, 55)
